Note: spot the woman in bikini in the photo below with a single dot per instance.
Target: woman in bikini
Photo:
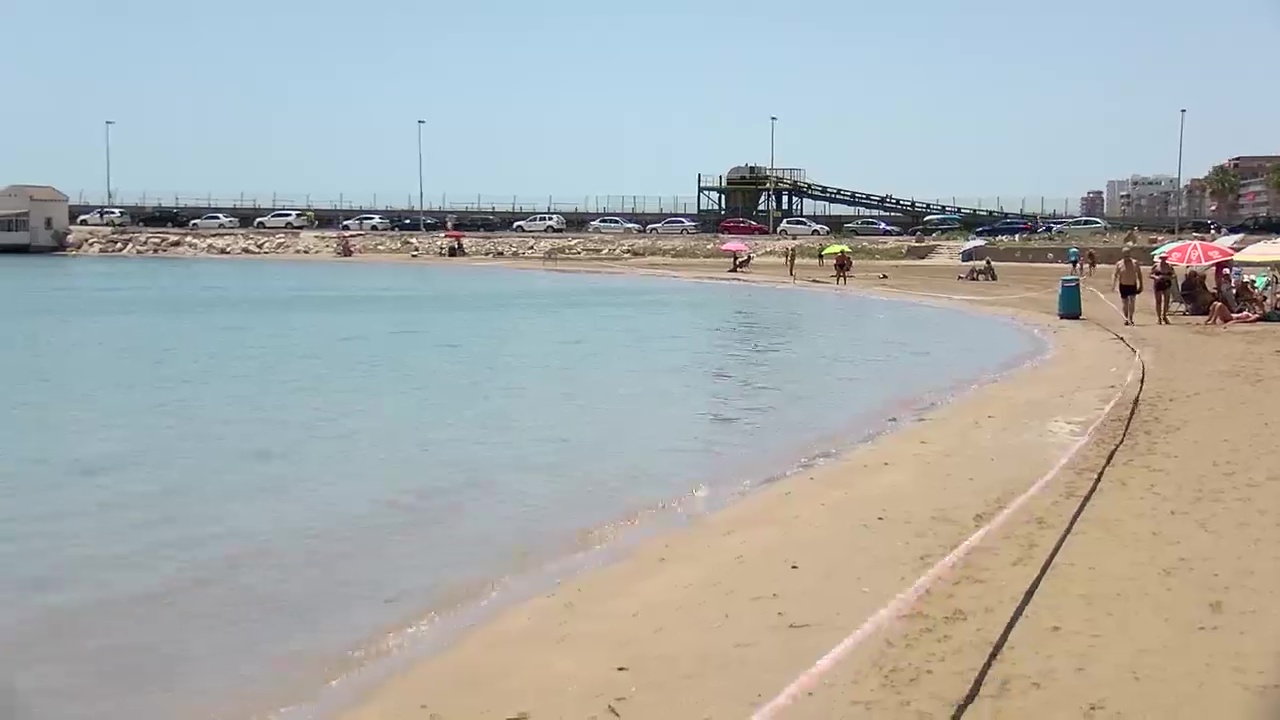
(1162, 279)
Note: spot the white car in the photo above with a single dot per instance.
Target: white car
(1082, 226)
(802, 226)
(215, 221)
(677, 226)
(287, 219)
(105, 216)
(367, 222)
(540, 223)
(613, 225)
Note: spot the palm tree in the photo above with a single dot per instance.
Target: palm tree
(1224, 187)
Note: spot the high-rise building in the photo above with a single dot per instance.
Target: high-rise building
(1093, 204)
(1141, 195)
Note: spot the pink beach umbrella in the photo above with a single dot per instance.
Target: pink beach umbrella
(735, 246)
(1197, 253)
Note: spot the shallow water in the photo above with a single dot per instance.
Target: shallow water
(221, 477)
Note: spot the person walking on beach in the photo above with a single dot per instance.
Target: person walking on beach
(1128, 280)
(1073, 257)
(1091, 261)
(1162, 277)
(821, 261)
(791, 261)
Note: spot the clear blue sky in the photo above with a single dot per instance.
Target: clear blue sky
(924, 98)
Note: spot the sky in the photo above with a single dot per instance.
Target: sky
(576, 98)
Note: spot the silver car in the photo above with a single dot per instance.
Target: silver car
(613, 225)
(673, 226)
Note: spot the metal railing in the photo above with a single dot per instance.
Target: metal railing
(602, 204)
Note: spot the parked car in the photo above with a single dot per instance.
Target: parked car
(802, 226)
(939, 225)
(741, 226)
(1008, 226)
(540, 223)
(871, 226)
(480, 223)
(613, 225)
(416, 224)
(214, 221)
(104, 216)
(1082, 226)
(1201, 226)
(366, 222)
(934, 218)
(287, 219)
(678, 226)
(160, 217)
(1257, 225)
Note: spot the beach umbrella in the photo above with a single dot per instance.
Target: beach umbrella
(1195, 253)
(836, 249)
(975, 243)
(1229, 240)
(1263, 252)
(735, 246)
(1165, 248)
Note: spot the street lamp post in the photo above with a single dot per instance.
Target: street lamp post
(773, 125)
(107, 127)
(1177, 216)
(421, 210)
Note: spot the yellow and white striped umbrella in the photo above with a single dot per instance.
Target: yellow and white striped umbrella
(1263, 252)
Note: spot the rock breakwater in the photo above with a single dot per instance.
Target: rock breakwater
(138, 241)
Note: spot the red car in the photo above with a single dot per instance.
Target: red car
(741, 226)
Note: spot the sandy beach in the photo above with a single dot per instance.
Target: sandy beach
(1156, 606)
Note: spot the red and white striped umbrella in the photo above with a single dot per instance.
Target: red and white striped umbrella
(1197, 253)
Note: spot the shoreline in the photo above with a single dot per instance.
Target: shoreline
(619, 550)
(377, 703)
(1158, 586)
(405, 644)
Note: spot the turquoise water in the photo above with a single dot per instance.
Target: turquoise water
(222, 477)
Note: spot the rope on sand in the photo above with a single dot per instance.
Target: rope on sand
(976, 687)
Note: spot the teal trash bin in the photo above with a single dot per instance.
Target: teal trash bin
(1069, 298)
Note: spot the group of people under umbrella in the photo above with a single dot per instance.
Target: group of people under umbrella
(1214, 285)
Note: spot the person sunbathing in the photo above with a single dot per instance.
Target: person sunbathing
(1220, 313)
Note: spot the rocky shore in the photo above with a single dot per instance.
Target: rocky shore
(140, 241)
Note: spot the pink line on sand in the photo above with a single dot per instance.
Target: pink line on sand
(908, 597)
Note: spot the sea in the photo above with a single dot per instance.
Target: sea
(248, 488)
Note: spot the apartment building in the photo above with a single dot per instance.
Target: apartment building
(1141, 196)
(1252, 167)
(1093, 204)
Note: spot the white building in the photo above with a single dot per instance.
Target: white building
(33, 218)
(1138, 191)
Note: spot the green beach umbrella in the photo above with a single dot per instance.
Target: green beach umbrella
(1165, 248)
(836, 249)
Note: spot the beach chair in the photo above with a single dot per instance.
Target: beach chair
(1177, 303)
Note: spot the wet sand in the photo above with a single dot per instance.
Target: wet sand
(1157, 606)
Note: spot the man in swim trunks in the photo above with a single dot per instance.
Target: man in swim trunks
(1073, 257)
(1128, 280)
